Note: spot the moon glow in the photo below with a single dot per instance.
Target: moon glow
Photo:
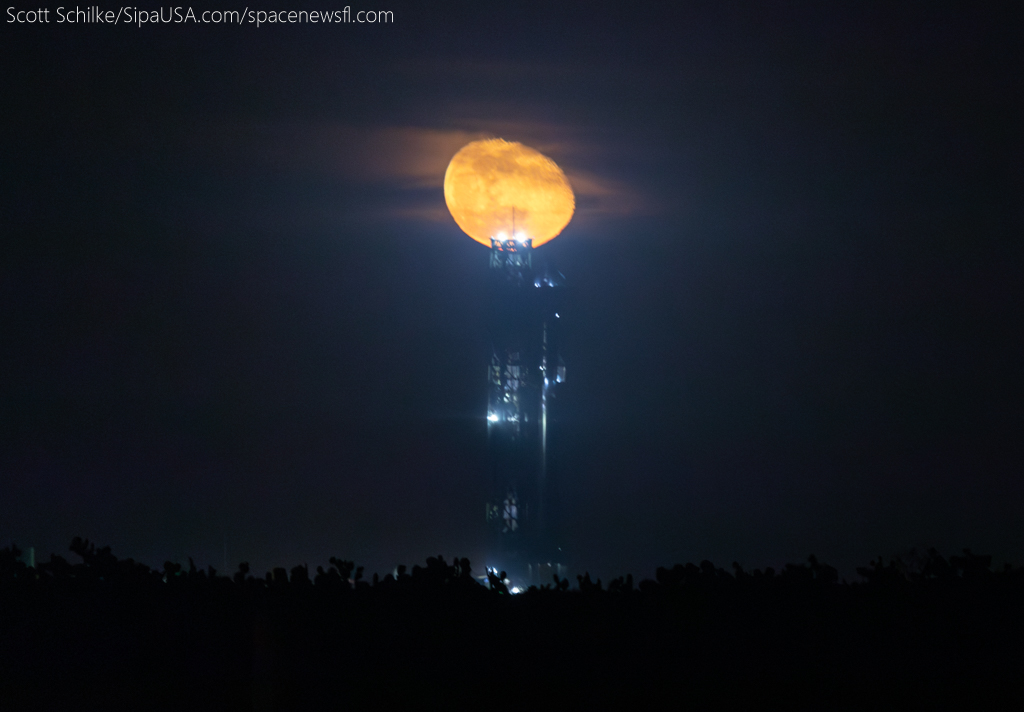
(487, 179)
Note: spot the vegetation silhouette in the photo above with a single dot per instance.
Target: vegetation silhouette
(928, 631)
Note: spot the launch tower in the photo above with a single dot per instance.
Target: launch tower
(525, 370)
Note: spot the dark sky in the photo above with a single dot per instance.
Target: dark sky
(235, 310)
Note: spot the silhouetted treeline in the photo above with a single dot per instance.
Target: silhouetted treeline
(926, 632)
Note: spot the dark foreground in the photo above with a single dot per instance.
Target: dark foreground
(115, 634)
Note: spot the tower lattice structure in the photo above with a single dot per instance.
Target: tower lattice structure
(523, 375)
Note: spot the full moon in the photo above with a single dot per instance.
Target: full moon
(491, 183)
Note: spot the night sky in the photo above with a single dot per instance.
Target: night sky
(236, 316)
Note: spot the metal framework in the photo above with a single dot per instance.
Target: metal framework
(522, 377)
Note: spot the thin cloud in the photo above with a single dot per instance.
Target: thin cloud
(417, 158)
(409, 160)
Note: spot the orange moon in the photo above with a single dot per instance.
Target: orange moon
(487, 179)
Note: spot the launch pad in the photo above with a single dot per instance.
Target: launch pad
(525, 370)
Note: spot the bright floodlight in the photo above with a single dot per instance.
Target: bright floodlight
(502, 237)
(493, 417)
(521, 237)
